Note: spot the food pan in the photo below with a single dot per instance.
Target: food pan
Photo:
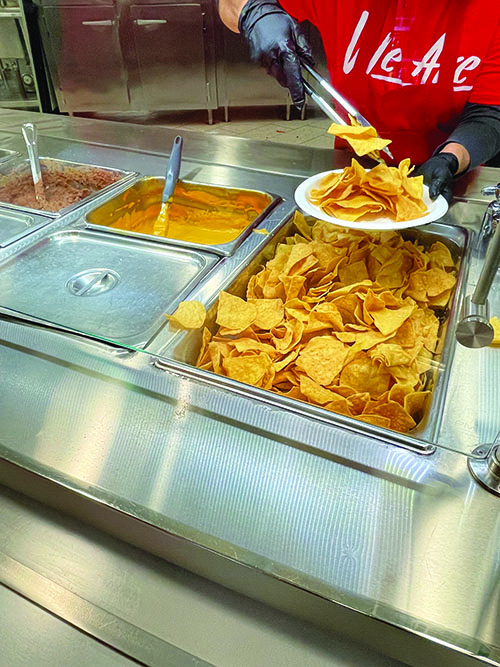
(14, 225)
(207, 207)
(101, 284)
(186, 346)
(86, 182)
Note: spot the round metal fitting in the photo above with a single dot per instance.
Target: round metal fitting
(474, 332)
(92, 282)
(474, 329)
(486, 470)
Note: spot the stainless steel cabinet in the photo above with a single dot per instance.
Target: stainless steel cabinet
(175, 58)
(140, 57)
(240, 82)
(18, 83)
(83, 51)
(149, 55)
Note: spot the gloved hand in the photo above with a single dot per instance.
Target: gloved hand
(276, 42)
(438, 172)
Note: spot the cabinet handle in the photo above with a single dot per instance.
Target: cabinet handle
(149, 21)
(105, 22)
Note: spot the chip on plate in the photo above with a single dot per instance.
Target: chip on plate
(357, 194)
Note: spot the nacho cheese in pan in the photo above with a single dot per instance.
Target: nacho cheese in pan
(346, 320)
(197, 214)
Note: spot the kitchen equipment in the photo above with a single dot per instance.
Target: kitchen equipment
(171, 178)
(474, 330)
(340, 99)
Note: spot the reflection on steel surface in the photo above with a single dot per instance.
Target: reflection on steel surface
(108, 628)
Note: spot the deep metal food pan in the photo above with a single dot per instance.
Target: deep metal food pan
(15, 173)
(144, 197)
(185, 347)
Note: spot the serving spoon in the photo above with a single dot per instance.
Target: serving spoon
(30, 137)
(171, 177)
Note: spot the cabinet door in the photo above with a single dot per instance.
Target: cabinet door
(174, 67)
(242, 82)
(85, 58)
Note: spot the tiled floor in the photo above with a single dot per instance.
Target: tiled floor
(264, 123)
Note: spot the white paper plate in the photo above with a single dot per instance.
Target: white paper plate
(436, 209)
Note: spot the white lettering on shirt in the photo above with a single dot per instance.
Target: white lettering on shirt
(430, 61)
(395, 55)
(464, 65)
(426, 70)
(350, 59)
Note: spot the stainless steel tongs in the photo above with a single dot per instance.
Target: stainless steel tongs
(340, 99)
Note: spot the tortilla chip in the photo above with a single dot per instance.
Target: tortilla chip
(322, 359)
(249, 369)
(363, 140)
(365, 375)
(188, 315)
(269, 313)
(400, 420)
(495, 323)
(234, 313)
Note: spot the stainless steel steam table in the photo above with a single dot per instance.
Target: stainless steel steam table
(391, 548)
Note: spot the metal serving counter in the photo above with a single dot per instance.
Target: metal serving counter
(389, 547)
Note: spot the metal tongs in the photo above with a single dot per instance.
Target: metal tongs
(340, 99)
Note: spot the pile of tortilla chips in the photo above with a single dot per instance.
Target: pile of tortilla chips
(357, 194)
(341, 319)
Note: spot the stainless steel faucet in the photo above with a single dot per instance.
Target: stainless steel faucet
(474, 329)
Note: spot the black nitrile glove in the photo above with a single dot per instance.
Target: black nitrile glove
(438, 172)
(277, 43)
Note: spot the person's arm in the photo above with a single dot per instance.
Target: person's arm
(475, 140)
(230, 11)
(274, 38)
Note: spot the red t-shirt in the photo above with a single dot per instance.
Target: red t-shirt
(409, 66)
